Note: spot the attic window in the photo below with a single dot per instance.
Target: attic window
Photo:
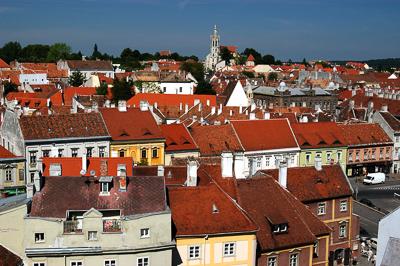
(123, 133)
(306, 144)
(105, 185)
(280, 228)
(146, 132)
(337, 142)
(322, 142)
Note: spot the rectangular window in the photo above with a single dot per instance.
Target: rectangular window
(39, 237)
(343, 205)
(315, 248)
(267, 161)
(143, 261)
(9, 175)
(21, 175)
(272, 261)
(105, 188)
(328, 157)
(39, 264)
(92, 235)
(321, 208)
(89, 151)
(46, 153)
(32, 156)
(350, 156)
(387, 153)
(339, 156)
(110, 263)
(366, 154)
(180, 89)
(144, 154)
(194, 252)
(373, 154)
(76, 263)
(154, 153)
(60, 152)
(102, 151)
(357, 155)
(74, 152)
(229, 249)
(308, 158)
(292, 159)
(258, 161)
(342, 230)
(381, 153)
(294, 260)
(145, 233)
(121, 153)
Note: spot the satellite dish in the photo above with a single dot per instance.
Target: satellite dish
(92, 172)
(83, 172)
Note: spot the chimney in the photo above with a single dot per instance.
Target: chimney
(239, 166)
(252, 116)
(155, 105)
(186, 108)
(318, 163)
(103, 168)
(384, 108)
(208, 102)
(191, 177)
(144, 106)
(180, 106)
(283, 173)
(84, 164)
(267, 115)
(37, 182)
(213, 110)
(160, 170)
(122, 106)
(226, 164)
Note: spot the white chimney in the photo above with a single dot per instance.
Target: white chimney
(160, 170)
(384, 108)
(191, 177)
(180, 106)
(208, 102)
(144, 106)
(122, 106)
(186, 108)
(84, 164)
(226, 164)
(267, 115)
(252, 116)
(239, 166)
(283, 173)
(213, 110)
(318, 163)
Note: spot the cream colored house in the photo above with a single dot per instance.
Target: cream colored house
(12, 177)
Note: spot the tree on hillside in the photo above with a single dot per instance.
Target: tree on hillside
(102, 89)
(76, 79)
(34, 53)
(204, 87)
(121, 90)
(10, 51)
(268, 59)
(58, 51)
(9, 87)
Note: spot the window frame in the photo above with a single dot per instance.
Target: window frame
(343, 208)
(109, 262)
(102, 151)
(152, 152)
(141, 153)
(89, 236)
(39, 263)
(37, 240)
(76, 263)
(143, 236)
(74, 152)
(143, 263)
(194, 257)
(272, 263)
(8, 175)
(231, 252)
(343, 225)
(296, 261)
(320, 205)
(32, 157)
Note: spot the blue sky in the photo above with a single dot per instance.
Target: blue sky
(315, 29)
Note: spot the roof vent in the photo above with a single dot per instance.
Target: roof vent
(215, 208)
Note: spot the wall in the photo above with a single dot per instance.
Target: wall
(134, 150)
(16, 166)
(34, 79)
(11, 135)
(305, 256)
(211, 250)
(174, 87)
(324, 152)
(386, 230)
(170, 155)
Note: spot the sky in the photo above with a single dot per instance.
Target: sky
(287, 29)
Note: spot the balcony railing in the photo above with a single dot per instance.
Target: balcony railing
(111, 225)
(72, 227)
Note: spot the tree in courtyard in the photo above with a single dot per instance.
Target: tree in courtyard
(76, 79)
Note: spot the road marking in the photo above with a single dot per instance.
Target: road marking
(393, 187)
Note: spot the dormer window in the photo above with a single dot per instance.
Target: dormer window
(55, 169)
(121, 170)
(105, 185)
(279, 228)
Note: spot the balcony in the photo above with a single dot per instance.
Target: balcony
(112, 225)
(72, 227)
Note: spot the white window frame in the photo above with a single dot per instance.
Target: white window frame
(267, 161)
(142, 232)
(339, 156)
(39, 263)
(230, 247)
(316, 248)
(108, 262)
(272, 261)
(343, 205)
(75, 263)
(308, 157)
(143, 263)
(40, 240)
(8, 175)
(104, 185)
(90, 236)
(342, 234)
(194, 252)
(296, 262)
(321, 208)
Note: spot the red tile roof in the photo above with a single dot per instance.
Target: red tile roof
(177, 138)
(133, 124)
(318, 135)
(250, 58)
(364, 134)
(215, 139)
(270, 134)
(80, 125)
(3, 64)
(267, 203)
(307, 184)
(192, 212)
(89, 65)
(171, 99)
(73, 166)
(4, 153)
(70, 92)
(7, 258)
(60, 194)
(392, 121)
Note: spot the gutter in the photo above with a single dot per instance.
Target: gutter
(85, 139)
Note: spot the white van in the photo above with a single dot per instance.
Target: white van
(374, 178)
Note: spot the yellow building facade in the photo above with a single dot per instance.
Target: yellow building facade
(149, 153)
(218, 250)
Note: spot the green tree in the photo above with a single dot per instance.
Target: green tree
(268, 59)
(304, 62)
(76, 79)
(9, 87)
(102, 89)
(10, 51)
(96, 54)
(273, 76)
(251, 51)
(248, 74)
(204, 87)
(121, 90)
(34, 53)
(58, 51)
(226, 55)
(195, 68)
(278, 62)
(290, 61)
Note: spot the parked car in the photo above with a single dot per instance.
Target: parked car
(374, 178)
(374, 242)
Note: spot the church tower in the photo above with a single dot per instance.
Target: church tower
(213, 57)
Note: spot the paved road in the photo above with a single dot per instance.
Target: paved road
(369, 219)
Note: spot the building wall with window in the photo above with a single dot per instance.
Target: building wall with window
(151, 153)
(328, 155)
(298, 256)
(177, 87)
(12, 175)
(93, 242)
(217, 250)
